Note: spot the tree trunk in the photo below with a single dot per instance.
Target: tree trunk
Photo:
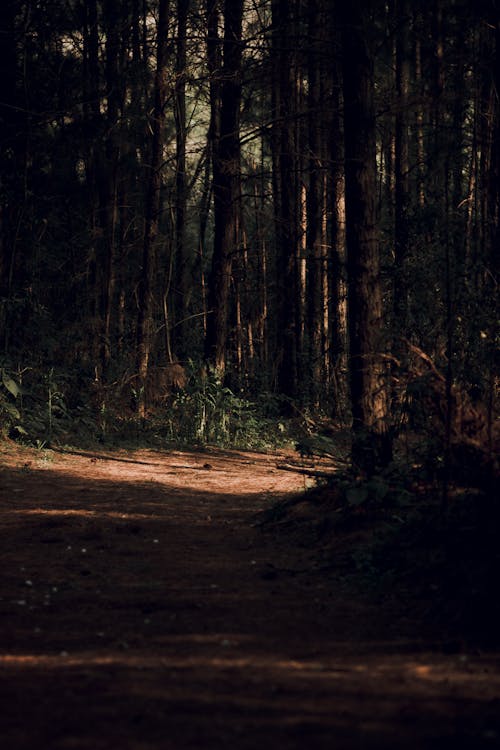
(492, 258)
(285, 194)
(371, 443)
(9, 149)
(153, 208)
(401, 164)
(316, 234)
(338, 262)
(108, 178)
(93, 159)
(226, 187)
(182, 260)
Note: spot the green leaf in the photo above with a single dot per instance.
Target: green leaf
(11, 410)
(11, 385)
(20, 429)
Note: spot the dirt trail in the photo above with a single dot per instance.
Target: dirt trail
(142, 609)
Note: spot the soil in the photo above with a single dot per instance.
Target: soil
(144, 607)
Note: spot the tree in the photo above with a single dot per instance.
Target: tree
(401, 161)
(153, 208)
(226, 181)
(317, 196)
(371, 443)
(182, 260)
(286, 195)
(10, 143)
(108, 174)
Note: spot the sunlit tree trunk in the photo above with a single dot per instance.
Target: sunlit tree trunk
(182, 260)
(371, 443)
(337, 263)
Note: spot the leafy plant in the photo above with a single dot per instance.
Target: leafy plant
(10, 415)
(32, 404)
(208, 411)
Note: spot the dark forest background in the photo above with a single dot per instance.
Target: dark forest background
(221, 217)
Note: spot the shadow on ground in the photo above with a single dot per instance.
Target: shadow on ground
(141, 608)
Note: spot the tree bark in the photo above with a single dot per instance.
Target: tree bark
(9, 145)
(316, 225)
(285, 194)
(337, 265)
(108, 178)
(182, 260)
(401, 164)
(153, 209)
(371, 443)
(226, 186)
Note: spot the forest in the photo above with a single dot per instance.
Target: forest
(249, 369)
(217, 215)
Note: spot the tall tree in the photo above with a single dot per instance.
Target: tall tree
(108, 176)
(371, 442)
(493, 245)
(337, 288)
(181, 256)
(153, 209)
(10, 137)
(286, 195)
(401, 160)
(226, 183)
(316, 204)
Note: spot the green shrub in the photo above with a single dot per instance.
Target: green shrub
(208, 411)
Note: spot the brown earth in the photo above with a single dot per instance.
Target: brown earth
(141, 608)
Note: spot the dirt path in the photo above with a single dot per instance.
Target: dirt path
(142, 609)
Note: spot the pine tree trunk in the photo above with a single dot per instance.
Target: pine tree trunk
(493, 259)
(316, 234)
(285, 195)
(371, 443)
(182, 261)
(338, 262)
(9, 149)
(401, 164)
(153, 206)
(108, 179)
(226, 187)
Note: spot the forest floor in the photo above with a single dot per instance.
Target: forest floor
(144, 605)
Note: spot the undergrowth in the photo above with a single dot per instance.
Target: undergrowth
(43, 407)
(391, 539)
